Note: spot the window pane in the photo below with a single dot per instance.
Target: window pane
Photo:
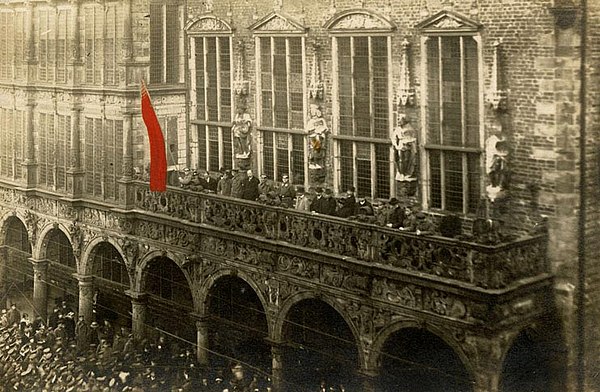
(346, 165)
(268, 160)
(297, 174)
(474, 195)
(382, 154)
(471, 92)
(213, 148)
(362, 87)
(451, 91)
(227, 147)
(156, 43)
(433, 91)
(225, 78)
(211, 81)
(280, 83)
(363, 169)
(435, 190)
(380, 87)
(453, 172)
(200, 102)
(172, 43)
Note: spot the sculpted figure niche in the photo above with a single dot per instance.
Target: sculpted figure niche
(405, 146)
(317, 130)
(242, 136)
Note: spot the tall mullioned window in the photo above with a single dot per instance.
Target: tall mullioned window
(166, 18)
(363, 110)
(282, 111)
(103, 156)
(8, 25)
(12, 132)
(453, 122)
(212, 95)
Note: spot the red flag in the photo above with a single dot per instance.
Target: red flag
(158, 158)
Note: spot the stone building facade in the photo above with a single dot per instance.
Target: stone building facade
(471, 108)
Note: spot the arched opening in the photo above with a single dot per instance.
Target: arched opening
(319, 346)
(237, 325)
(533, 364)
(170, 300)
(416, 360)
(110, 282)
(62, 286)
(18, 271)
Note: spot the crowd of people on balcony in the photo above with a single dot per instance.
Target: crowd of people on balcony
(63, 355)
(405, 215)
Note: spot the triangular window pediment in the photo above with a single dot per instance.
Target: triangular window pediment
(277, 22)
(207, 25)
(448, 22)
(353, 20)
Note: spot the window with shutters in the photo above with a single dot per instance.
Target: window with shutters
(281, 89)
(53, 143)
(93, 31)
(110, 45)
(19, 50)
(103, 157)
(11, 148)
(7, 44)
(166, 24)
(62, 44)
(212, 96)
(362, 111)
(45, 31)
(453, 122)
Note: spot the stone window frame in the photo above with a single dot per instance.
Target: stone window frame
(12, 122)
(213, 138)
(166, 59)
(451, 24)
(360, 24)
(281, 141)
(283, 149)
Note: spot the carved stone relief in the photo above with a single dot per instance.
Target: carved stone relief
(298, 267)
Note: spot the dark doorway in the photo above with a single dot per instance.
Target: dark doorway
(415, 360)
(238, 326)
(18, 270)
(320, 347)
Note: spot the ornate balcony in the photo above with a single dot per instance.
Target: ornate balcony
(484, 266)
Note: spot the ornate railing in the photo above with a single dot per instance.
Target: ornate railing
(487, 266)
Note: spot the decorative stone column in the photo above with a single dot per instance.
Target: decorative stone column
(40, 287)
(86, 297)
(126, 192)
(276, 365)
(368, 379)
(75, 173)
(202, 341)
(29, 165)
(3, 261)
(138, 314)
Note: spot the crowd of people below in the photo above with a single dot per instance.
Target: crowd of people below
(66, 355)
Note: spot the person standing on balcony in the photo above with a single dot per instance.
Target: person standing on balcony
(328, 204)
(302, 201)
(208, 183)
(236, 183)
(250, 186)
(347, 204)
(316, 205)
(286, 192)
(265, 185)
(224, 185)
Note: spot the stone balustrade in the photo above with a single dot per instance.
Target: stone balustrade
(486, 266)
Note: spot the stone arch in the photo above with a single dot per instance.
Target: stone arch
(42, 244)
(141, 268)
(383, 336)
(86, 267)
(204, 289)
(359, 19)
(4, 222)
(207, 24)
(534, 343)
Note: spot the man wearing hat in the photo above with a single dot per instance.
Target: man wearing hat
(208, 183)
(265, 185)
(237, 187)
(347, 204)
(250, 186)
(224, 184)
(13, 315)
(328, 204)
(302, 201)
(397, 215)
(286, 192)
(316, 205)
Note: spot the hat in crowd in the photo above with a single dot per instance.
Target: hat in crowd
(351, 189)
(300, 189)
(263, 176)
(94, 324)
(285, 176)
(319, 190)
(394, 201)
(420, 215)
(328, 191)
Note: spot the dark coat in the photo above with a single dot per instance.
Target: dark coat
(365, 209)
(347, 207)
(316, 205)
(328, 206)
(250, 188)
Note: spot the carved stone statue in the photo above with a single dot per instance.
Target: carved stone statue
(405, 154)
(496, 166)
(242, 135)
(317, 130)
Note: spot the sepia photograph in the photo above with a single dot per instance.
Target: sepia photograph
(300, 195)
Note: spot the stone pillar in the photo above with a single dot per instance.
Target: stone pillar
(277, 366)
(202, 341)
(138, 315)
(3, 262)
(368, 379)
(40, 288)
(76, 38)
(29, 34)
(86, 303)
(75, 173)
(29, 164)
(127, 146)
